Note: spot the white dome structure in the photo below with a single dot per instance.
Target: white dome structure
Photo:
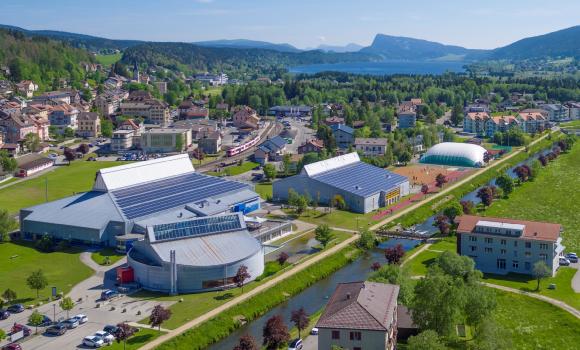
(455, 153)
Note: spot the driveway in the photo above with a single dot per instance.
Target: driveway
(576, 279)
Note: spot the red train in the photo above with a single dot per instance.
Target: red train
(241, 148)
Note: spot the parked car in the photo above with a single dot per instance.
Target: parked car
(4, 314)
(17, 327)
(13, 346)
(108, 294)
(56, 329)
(93, 341)
(110, 329)
(564, 262)
(46, 321)
(314, 331)
(296, 345)
(81, 318)
(52, 155)
(71, 323)
(16, 308)
(572, 257)
(91, 159)
(107, 337)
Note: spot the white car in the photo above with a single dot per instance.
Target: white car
(564, 262)
(107, 337)
(82, 318)
(93, 341)
(314, 331)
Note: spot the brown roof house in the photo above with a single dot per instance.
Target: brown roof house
(311, 146)
(245, 118)
(360, 315)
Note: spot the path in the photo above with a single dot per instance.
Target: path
(450, 188)
(209, 315)
(417, 252)
(576, 278)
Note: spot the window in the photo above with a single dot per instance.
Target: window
(503, 251)
(472, 238)
(356, 348)
(489, 240)
(515, 243)
(544, 246)
(335, 334)
(528, 244)
(515, 264)
(527, 265)
(488, 250)
(473, 248)
(503, 242)
(544, 257)
(527, 254)
(355, 336)
(515, 253)
(501, 264)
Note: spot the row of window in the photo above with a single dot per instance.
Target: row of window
(527, 254)
(352, 336)
(501, 264)
(489, 240)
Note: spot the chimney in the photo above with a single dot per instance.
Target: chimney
(347, 296)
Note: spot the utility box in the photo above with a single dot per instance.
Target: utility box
(125, 274)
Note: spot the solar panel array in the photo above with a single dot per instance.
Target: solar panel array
(196, 227)
(360, 178)
(156, 196)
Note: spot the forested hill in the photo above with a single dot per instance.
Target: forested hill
(40, 59)
(562, 43)
(189, 57)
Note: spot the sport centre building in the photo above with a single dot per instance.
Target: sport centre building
(455, 154)
(187, 229)
(364, 187)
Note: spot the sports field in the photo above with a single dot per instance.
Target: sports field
(419, 174)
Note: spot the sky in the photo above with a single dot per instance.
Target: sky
(302, 23)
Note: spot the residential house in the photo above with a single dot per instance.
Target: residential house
(406, 119)
(245, 118)
(334, 121)
(222, 107)
(27, 88)
(212, 79)
(500, 124)
(474, 122)
(122, 140)
(16, 126)
(360, 315)
(165, 140)
(417, 144)
(63, 116)
(344, 135)
(532, 122)
(501, 246)
(188, 110)
(291, 111)
(270, 150)
(89, 124)
(199, 127)
(109, 101)
(161, 86)
(211, 143)
(556, 112)
(573, 110)
(34, 166)
(142, 104)
(137, 130)
(311, 146)
(371, 147)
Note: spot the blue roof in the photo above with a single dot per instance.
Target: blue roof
(342, 127)
(361, 179)
(272, 145)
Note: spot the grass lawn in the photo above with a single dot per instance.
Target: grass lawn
(234, 170)
(534, 324)
(108, 60)
(571, 124)
(144, 335)
(62, 269)
(63, 181)
(336, 218)
(213, 90)
(264, 190)
(553, 197)
(111, 253)
(205, 160)
(419, 265)
(563, 291)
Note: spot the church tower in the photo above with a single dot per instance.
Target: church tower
(135, 71)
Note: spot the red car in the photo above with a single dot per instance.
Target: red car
(12, 346)
(20, 327)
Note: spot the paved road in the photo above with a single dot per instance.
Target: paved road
(576, 279)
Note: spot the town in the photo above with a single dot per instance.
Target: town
(149, 204)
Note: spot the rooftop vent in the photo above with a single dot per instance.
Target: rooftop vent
(347, 296)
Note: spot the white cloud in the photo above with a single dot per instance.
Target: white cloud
(204, 1)
(321, 38)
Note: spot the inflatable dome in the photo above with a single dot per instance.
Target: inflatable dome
(455, 153)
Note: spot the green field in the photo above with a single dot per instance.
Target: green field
(100, 256)
(264, 190)
(107, 60)
(235, 170)
(554, 196)
(336, 218)
(62, 181)
(536, 325)
(62, 269)
(144, 335)
(571, 124)
(418, 266)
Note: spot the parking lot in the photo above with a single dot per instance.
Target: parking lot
(299, 132)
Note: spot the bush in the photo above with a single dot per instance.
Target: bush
(45, 244)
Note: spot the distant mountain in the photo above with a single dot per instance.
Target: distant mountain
(247, 44)
(352, 47)
(88, 42)
(565, 42)
(403, 48)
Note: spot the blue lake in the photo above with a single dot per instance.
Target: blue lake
(383, 68)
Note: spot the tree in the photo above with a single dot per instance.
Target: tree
(69, 155)
(286, 160)
(179, 144)
(66, 304)
(8, 163)
(456, 115)
(394, 254)
(9, 295)
(366, 240)
(282, 258)
(541, 271)
(299, 202)
(479, 305)
(323, 234)
(106, 127)
(275, 333)
(395, 274)
(376, 266)
(468, 207)
(426, 340)
(425, 189)
(405, 157)
(241, 276)
(269, 171)
(485, 194)
(453, 210)
(83, 148)
(35, 319)
(124, 332)
(543, 160)
(522, 172)
(2, 334)
(198, 154)
(440, 180)
(159, 314)
(32, 142)
(45, 244)
(442, 223)
(300, 319)
(505, 183)
(7, 225)
(37, 281)
(246, 342)
(490, 336)
(69, 133)
(338, 202)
